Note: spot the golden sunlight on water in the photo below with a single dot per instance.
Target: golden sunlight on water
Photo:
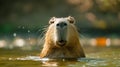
(100, 51)
(95, 56)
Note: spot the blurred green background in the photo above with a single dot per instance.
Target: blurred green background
(27, 18)
(33, 14)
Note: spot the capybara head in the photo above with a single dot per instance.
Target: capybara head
(62, 39)
(61, 30)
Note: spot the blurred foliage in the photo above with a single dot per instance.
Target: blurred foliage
(109, 5)
(34, 14)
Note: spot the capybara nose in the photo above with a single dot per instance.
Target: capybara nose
(61, 24)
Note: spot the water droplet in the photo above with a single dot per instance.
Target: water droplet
(23, 27)
(28, 31)
(14, 34)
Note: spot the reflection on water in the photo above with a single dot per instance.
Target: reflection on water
(30, 43)
(81, 62)
(96, 57)
(20, 51)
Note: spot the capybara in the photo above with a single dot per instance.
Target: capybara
(62, 40)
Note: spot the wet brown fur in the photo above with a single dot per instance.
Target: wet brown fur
(72, 49)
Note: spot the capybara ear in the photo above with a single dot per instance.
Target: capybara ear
(71, 19)
(52, 20)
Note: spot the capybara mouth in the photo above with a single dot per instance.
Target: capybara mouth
(61, 43)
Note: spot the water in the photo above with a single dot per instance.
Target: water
(95, 57)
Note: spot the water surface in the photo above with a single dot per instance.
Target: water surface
(95, 57)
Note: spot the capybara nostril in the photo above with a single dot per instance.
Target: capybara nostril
(58, 24)
(65, 24)
(61, 24)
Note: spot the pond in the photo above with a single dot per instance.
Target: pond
(95, 57)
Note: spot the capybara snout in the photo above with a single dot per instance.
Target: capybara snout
(61, 25)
